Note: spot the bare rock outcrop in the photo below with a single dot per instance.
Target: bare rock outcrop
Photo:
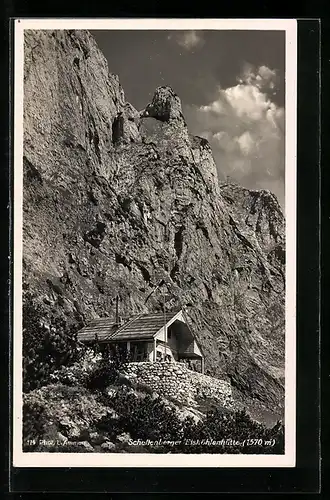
(165, 105)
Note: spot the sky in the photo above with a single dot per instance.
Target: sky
(232, 89)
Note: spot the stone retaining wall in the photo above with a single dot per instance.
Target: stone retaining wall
(175, 380)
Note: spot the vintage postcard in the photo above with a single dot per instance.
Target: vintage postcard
(154, 243)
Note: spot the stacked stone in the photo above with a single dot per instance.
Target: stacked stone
(212, 388)
(174, 380)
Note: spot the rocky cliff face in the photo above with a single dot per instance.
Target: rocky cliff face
(116, 199)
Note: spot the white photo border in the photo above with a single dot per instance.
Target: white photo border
(44, 459)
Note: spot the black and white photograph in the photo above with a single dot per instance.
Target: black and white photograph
(154, 242)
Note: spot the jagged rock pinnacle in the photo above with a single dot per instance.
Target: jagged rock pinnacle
(165, 105)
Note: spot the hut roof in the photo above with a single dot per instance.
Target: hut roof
(100, 328)
(140, 327)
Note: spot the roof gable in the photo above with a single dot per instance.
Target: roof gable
(144, 326)
(195, 339)
(170, 320)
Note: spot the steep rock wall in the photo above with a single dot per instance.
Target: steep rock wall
(115, 200)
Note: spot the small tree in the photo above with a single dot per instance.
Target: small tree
(108, 369)
(46, 346)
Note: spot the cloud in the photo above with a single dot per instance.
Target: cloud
(263, 78)
(188, 39)
(246, 131)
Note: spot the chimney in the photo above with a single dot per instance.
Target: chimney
(117, 310)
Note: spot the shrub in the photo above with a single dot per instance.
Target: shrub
(78, 373)
(35, 423)
(142, 417)
(107, 371)
(237, 427)
(139, 386)
(56, 412)
(45, 347)
(153, 418)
